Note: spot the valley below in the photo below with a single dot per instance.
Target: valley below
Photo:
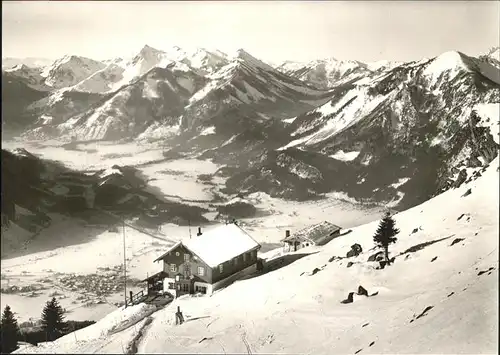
(73, 247)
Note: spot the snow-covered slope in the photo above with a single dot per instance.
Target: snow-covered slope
(104, 80)
(119, 72)
(18, 95)
(325, 73)
(382, 65)
(30, 75)
(205, 60)
(439, 295)
(492, 57)
(419, 112)
(70, 70)
(395, 87)
(489, 116)
(251, 83)
(173, 95)
(158, 97)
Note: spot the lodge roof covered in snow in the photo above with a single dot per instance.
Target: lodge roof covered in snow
(315, 233)
(219, 244)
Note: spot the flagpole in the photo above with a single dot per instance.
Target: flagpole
(124, 265)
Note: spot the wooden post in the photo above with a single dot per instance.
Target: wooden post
(131, 297)
(179, 318)
(124, 265)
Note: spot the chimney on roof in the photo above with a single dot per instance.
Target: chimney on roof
(287, 233)
(199, 232)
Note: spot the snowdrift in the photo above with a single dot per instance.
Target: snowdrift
(115, 322)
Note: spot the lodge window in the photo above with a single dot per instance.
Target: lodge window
(221, 268)
(177, 253)
(186, 257)
(244, 257)
(236, 261)
(201, 289)
(173, 268)
(201, 271)
(185, 287)
(171, 285)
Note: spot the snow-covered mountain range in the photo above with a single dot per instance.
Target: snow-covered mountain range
(9, 62)
(331, 72)
(166, 140)
(390, 128)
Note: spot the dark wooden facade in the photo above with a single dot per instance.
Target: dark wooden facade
(155, 282)
(186, 268)
(234, 265)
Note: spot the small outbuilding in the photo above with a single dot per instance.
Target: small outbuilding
(317, 234)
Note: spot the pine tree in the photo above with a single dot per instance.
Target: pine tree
(9, 331)
(385, 234)
(53, 320)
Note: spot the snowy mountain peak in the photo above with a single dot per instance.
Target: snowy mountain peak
(205, 52)
(494, 53)
(70, 70)
(289, 66)
(149, 52)
(148, 48)
(326, 60)
(382, 64)
(324, 73)
(492, 57)
(219, 53)
(76, 59)
(244, 56)
(31, 62)
(117, 60)
(207, 60)
(450, 59)
(18, 67)
(72, 60)
(176, 53)
(450, 62)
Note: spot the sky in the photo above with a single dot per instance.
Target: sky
(270, 30)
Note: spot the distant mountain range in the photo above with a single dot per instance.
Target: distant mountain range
(9, 62)
(382, 132)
